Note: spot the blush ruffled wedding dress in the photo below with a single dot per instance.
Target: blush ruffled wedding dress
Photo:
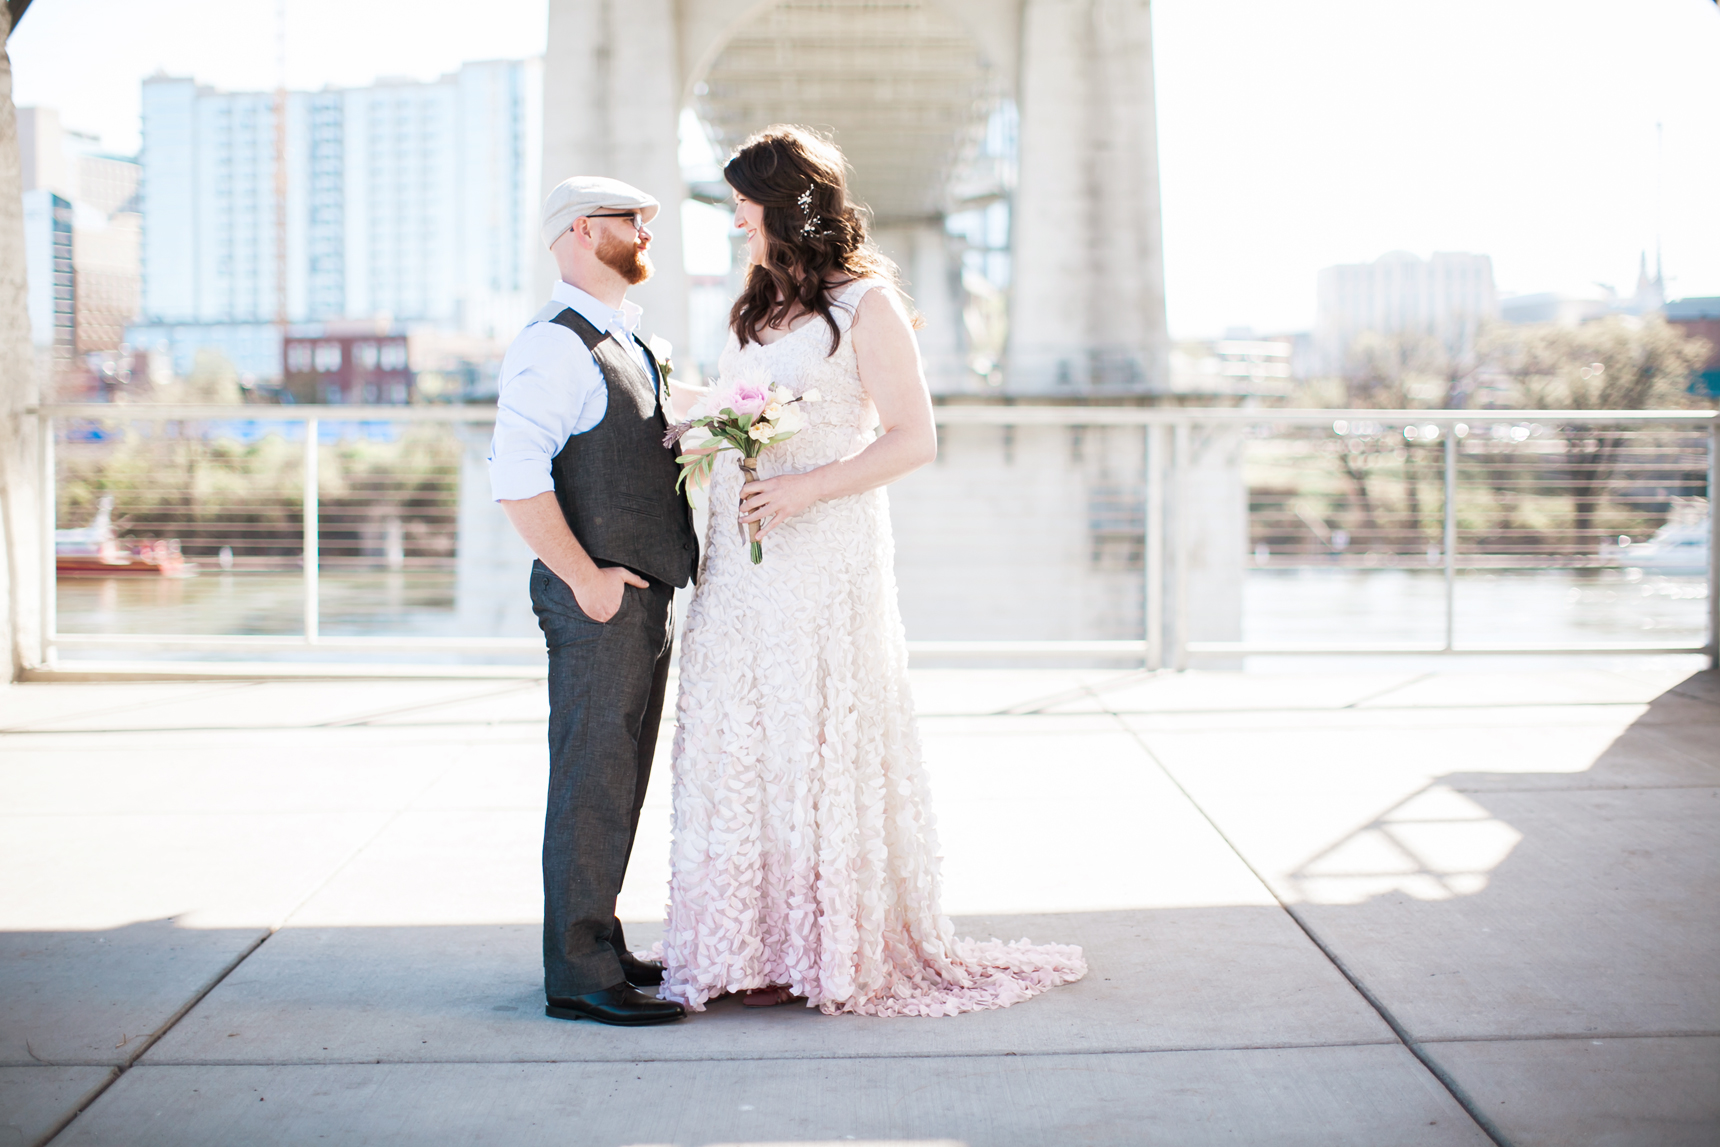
(804, 851)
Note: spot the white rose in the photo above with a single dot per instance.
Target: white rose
(761, 431)
(772, 412)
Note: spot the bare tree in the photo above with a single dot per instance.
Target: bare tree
(1617, 363)
(1405, 370)
(1402, 371)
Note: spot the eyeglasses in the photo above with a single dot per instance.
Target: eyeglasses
(638, 224)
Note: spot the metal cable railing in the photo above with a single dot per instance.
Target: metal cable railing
(343, 526)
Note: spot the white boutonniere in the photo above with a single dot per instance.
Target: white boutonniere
(661, 350)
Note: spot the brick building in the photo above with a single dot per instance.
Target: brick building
(328, 364)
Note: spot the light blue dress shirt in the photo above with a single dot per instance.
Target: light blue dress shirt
(551, 389)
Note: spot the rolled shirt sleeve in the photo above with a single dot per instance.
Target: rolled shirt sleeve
(550, 389)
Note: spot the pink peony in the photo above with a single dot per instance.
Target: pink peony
(745, 396)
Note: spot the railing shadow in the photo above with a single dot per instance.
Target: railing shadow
(1603, 877)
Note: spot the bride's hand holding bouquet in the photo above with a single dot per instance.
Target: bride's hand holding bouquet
(745, 415)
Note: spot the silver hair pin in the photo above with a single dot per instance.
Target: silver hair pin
(810, 227)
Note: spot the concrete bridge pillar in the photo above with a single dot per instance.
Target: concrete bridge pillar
(922, 253)
(612, 106)
(21, 494)
(1088, 310)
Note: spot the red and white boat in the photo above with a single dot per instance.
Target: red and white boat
(95, 551)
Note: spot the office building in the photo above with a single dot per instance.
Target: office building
(336, 364)
(1700, 318)
(1445, 298)
(81, 239)
(51, 294)
(406, 202)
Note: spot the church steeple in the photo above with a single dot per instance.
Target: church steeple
(1650, 293)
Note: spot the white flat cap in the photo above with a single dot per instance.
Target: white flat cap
(591, 195)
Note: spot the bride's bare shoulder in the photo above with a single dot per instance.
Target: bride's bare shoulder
(879, 304)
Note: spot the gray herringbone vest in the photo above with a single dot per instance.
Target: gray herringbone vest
(616, 481)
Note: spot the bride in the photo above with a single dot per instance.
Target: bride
(804, 861)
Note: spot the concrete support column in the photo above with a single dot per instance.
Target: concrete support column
(1088, 308)
(612, 106)
(929, 272)
(20, 489)
(1212, 500)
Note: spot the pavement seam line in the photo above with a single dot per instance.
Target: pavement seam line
(1141, 714)
(1456, 1090)
(129, 707)
(1568, 1037)
(1585, 789)
(1389, 690)
(151, 729)
(786, 1057)
(154, 1037)
(1036, 707)
(150, 1041)
(1188, 1049)
(406, 806)
(366, 718)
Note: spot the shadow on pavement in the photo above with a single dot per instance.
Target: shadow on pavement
(1552, 939)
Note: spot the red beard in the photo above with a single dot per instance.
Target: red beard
(625, 259)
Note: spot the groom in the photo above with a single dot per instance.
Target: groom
(578, 463)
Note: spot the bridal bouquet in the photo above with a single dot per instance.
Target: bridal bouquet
(744, 414)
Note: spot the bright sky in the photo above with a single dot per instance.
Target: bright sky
(1293, 133)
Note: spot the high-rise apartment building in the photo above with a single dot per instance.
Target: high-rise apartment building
(409, 202)
(51, 297)
(1445, 298)
(81, 240)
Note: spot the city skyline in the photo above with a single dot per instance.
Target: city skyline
(1292, 137)
(371, 171)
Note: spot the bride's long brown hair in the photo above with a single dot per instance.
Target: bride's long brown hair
(813, 232)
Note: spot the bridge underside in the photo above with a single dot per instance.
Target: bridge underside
(901, 87)
(906, 88)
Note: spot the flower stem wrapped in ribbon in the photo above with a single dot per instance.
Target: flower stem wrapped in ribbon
(743, 414)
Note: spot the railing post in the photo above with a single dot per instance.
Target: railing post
(1153, 557)
(1450, 543)
(1714, 544)
(1179, 541)
(49, 514)
(311, 546)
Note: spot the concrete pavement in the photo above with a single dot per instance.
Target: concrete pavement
(1335, 907)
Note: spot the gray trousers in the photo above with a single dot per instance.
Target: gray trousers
(606, 686)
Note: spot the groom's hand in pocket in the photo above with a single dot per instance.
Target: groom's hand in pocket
(599, 593)
(597, 589)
